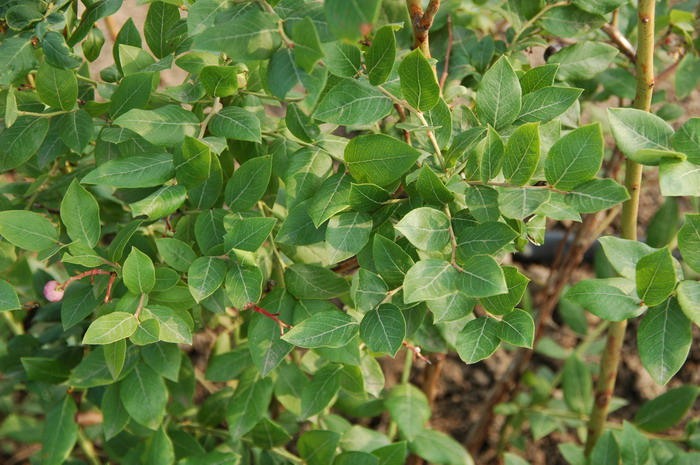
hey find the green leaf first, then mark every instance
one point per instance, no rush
(19, 142)
(452, 307)
(577, 385)
(248, 183)
(243, 284)
(194, 164)
(521, 202)
(176, 253)
(378, 158)
(599, 7)
(326, 329)
(27, 230)
(219, 81)
(60, 432)
(663, 340)
(346, 235)
(367, 290)
(383, 329)
(320, 392)
(437, 447)
(298, 228)
(354, 457)
(164, 358)
(636, 130)
(688, 240)
(205, 275)
(686, 76)
(482, 277)
(250, 36)
(76, 130)
(426, 228)
(429, 279)
(247, 233)
(492, 156)
(624, 254)
(133, 92)
(596, 195)
(134, 59)
(267, 349)
(306, 281)
(90, 16)
(687, 140)
(606, 450)
(381, 55)
(159, 448)
(160, 22)
(17, 55)
(78, 303)
(635, 446)
(146, 170)
(409, 409)
(483, 203)
(483, 239)
(688, 294)
(478, 340)
(56, 87)
(318, 447)
(655, 277)
(301, 125)
(236, 123)
(8, 297)
(115, 417)
(144, 396)
(352, 102)
(418, 83)
(351, 19)
(342, 59)
(678, 178)
(498, 100)
(605, 300)
(166, 126)
(390, 260)
(666, 410)
(547, 103)
(569, 21)
(517, 328)
(431, 188)
(161, 203)
(307, 45)
(110, 328)
(583, 60)
(115, 354)
(138, 273)
(331, 198)
(393, 454)
(522, 154)
(538, 77)
(575, 158)
(463, 144)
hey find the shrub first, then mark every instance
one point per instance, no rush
(210, 272)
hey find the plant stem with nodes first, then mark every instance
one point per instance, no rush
(422, 21)
(633, 181)
(272, 316)
(214, 110)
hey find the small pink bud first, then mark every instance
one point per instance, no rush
(53, 291)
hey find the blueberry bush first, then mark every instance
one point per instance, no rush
(222, 270)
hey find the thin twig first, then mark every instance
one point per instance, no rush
(214, 110)
(448, 52)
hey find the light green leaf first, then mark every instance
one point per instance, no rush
(636, 130)
(663, 340)
(547, 103)
(236, 123)
(346, 235)
(175, 325)
(176, 253)
(267, 349)
(437, 447)
(326, 329)
(250, 36)
(57, 87)
(409, 409)
(27, 230)
(351, 19)
(492, 156)
(498, 100)
(367, 290)
(381, 55)
(426, 228)
(605, 300)
(383, 329)
(248, 183)
(133, 92)
(429, 279)
(167, 125)
(138, 273)
(307, 45)
(110, 328)
(378, 158)
(687, 139)
(522, 154)
(418, 83)
(583, 60)
(520, 202)
(483, 239)
(161, 203)
(538, 77)
(194, 163)
(320, 392)
(577, 385)
(390, 260)
(146, 170)
(342, 59)
(575, 158)
(19, 142)
(352, 102)
(688, 294)
(666, 410)
(678, 178)
(243, 284)
(306, 281)
(596, 195)
(635, 446)
(205, 275)
(478, 340)
(569, 21)
(656, 277)
(623, 254)
(431, 188)
(8, 297)
(482, 277)
(517, 328)
(331, 198)
(247, 233)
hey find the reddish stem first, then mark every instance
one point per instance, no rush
(90, 273)
(416, 352)
(272, 316)
(108, 295)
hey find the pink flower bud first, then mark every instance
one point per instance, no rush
(53, 291)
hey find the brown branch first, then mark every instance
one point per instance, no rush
(422, 21)
(619, 39)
